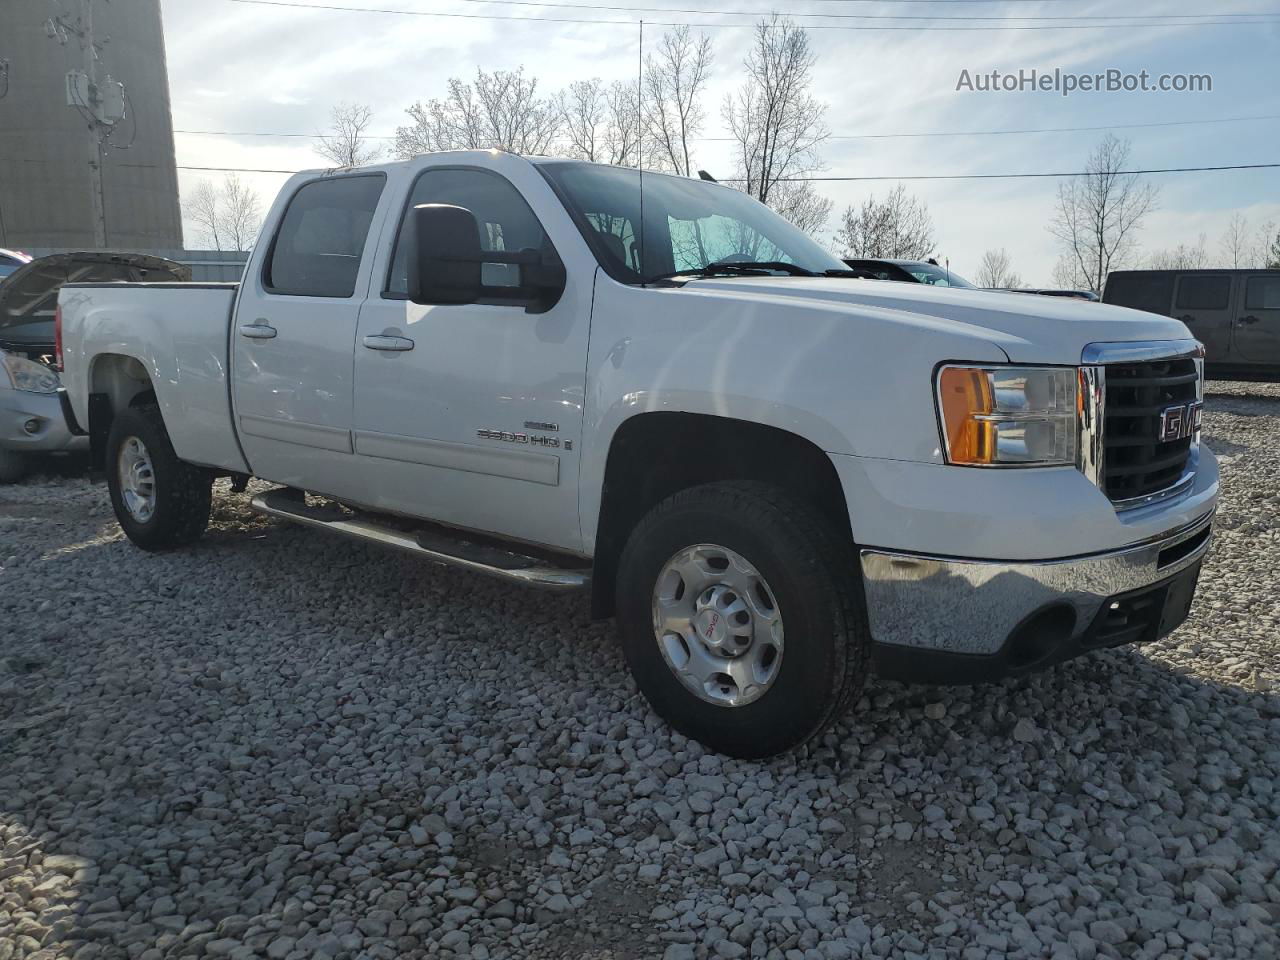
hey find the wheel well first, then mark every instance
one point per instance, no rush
(655, 455)
(116, 382)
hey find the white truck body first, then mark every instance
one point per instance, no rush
(490, 418)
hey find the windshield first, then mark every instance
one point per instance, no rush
(929, 273)
(688, 224)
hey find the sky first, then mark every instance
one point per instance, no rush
(255, 68)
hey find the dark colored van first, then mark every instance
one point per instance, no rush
(1234, 313)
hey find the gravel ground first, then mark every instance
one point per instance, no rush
(279, 744)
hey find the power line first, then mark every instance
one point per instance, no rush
(632, 8)
(1128, 23)
(831, 179)
(837, 136)
(1024, 176)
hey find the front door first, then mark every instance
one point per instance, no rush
(472, 415)
(293, 336)
(1257, 333)
(1203, 302)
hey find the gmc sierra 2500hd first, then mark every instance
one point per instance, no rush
(774, 474)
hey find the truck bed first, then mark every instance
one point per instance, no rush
(180, 333)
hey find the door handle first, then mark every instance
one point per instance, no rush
(1188, 318)
(1248, 320)
(383, 342)
(258, 330)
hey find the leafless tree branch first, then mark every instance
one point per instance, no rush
(1099, 213)
(347, 144)
(897, 227)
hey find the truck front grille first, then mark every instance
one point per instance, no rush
(1136, 461)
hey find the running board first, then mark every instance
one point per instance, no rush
(440, 547)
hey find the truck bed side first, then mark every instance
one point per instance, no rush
(124, 339)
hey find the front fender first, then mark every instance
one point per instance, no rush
(849, 381)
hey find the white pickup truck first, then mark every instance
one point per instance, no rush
(776, 475)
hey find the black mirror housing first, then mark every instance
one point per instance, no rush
(444, 255)
(446, 261)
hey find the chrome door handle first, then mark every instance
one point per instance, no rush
(398, 344)
(258, 330)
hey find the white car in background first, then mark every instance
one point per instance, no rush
(11, 260)
(31, 421)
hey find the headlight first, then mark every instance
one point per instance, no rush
(28, 375)
(1009, 416)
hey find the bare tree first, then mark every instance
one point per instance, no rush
(226, 218)
(1068, 275)
(347, 142)
(899, 227)
(203, 209)
(1184, 256)
(673, 81)
(501, 110)
(799, 202)
(602, 124)
(1099, 213)
(1235, 243)
(1266, 252)
(776, 123)
(996, 270)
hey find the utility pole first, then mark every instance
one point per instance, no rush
(100, 104)
(90, 54)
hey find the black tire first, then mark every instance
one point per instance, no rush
(183, 493)
(811, 571)
(13, 465)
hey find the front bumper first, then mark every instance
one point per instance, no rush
(34, 423)
(938, 619)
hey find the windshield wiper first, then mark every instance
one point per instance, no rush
(738, 268)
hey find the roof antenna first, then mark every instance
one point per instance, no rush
(640, 148)
(703, 175)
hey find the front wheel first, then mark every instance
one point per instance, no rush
(741, 617)
(13, 465)
(159, 500)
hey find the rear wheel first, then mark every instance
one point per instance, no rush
(159, 500)
(741, 617)
(13, 465)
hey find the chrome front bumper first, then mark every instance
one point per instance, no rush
(976, 608)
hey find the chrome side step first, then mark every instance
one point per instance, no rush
(431, 544)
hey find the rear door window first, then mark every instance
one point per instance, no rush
(1204, 293)
(1262, 293)
(318, 248)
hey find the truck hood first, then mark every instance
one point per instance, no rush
(29, 295)
(1028, 329)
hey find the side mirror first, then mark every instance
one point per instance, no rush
(444, 255)
(446, 264)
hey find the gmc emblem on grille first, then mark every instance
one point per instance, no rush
(1181, 421)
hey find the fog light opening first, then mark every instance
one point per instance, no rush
(1037, 637)
(32, 426)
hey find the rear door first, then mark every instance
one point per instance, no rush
(1257, 333)
(294, 330)
(1203, 302)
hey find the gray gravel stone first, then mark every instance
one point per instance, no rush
(276, 744)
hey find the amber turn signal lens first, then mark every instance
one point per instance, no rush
(966, 393)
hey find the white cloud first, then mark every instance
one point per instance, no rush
(245, 67)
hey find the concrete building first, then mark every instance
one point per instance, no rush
(46, 198)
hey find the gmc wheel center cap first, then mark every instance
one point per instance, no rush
(710, 627)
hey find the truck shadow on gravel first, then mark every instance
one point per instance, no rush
(294, 746)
